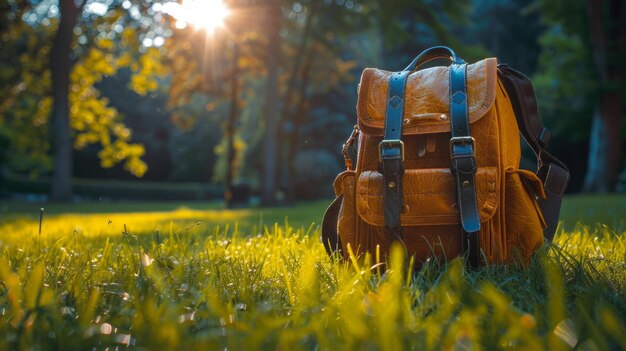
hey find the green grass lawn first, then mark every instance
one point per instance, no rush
(164, 213)
(194, 276)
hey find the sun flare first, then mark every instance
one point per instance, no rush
(201, 14)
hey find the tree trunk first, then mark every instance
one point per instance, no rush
(60, 66)
(283, 172)
(607, 32)
(270, 108)
(604, 145)
(232, 123)
(298, 119)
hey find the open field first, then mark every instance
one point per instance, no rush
(185, 276)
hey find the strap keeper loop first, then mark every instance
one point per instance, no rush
(463, 169)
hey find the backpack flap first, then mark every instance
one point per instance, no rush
(426, 97)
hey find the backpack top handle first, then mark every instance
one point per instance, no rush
(434, 53)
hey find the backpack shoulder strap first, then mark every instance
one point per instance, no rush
(552, 172)
(391, 155)
(463, 161)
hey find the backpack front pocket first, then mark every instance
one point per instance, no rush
(429, 196)
(430, 219)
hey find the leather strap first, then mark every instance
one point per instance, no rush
(391, 152)
(552, 172)
(330, 236)
(462, 154)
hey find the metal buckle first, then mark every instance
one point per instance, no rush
(390, 143)
(347, 145)
(462, 140)
(350, 141)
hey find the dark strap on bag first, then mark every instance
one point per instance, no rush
(552, 172)
(391, 152)
(330, 237)
(463, 158)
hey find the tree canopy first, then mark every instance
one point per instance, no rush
(255, 90)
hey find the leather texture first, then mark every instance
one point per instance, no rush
(509, 200)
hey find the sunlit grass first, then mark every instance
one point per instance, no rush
(102, 219)
(90, 225)
(186, 280)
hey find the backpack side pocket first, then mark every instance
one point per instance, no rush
(346, 224)
(524, 220)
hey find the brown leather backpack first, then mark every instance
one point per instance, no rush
(437, 166)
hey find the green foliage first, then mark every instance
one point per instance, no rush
(90, 116)
(4, 144)
(580, 84)
(25, 92)
(566, 82)
(25, 104)
(201, 79)
(89, 188)
(118, 280)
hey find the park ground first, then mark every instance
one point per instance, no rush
(179, 275)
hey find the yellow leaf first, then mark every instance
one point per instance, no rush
(33, 286)
(124, 60)
(105, 43)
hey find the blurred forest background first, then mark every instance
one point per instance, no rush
(109, 99)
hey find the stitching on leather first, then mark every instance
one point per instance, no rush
(458, 194)
(452, 126)
(473, 178)
(490, 82)
(548, 182)
(369, 79)
(421, 159)
(367, 205)
(450, 98)
(429, 193)
(378, 216)
(489, 96)
(362, 93)
(475, 199)
(368, 178)
(467, 123)
(368, 84)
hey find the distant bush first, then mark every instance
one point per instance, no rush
(115, 189)
(316, 170)
(4, 145)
